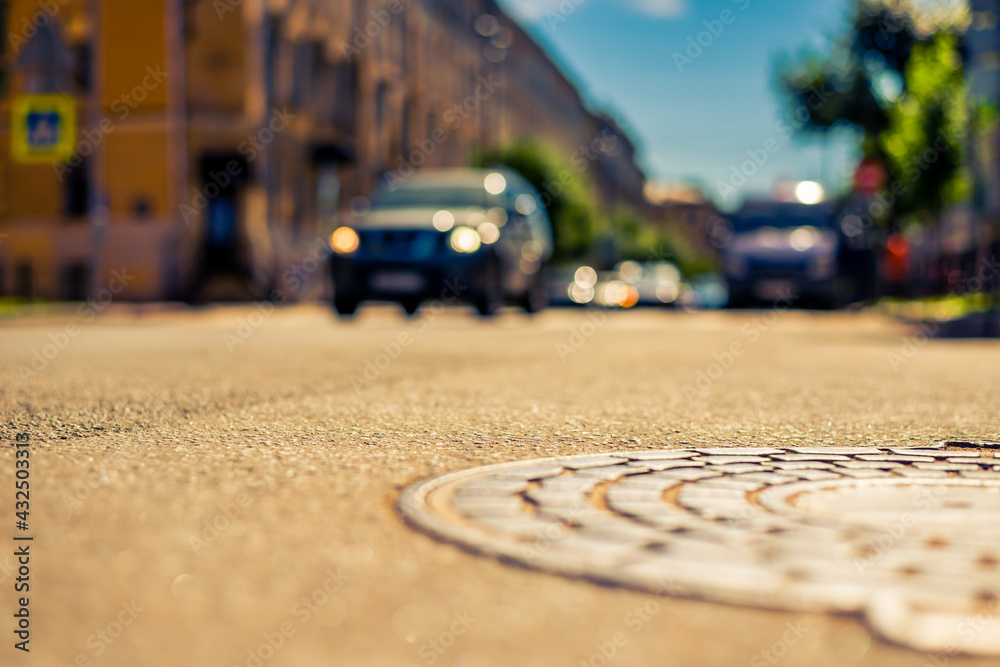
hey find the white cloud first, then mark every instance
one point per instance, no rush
(530, 10)
(661, 8)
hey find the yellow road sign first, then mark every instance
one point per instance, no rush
(43, 128)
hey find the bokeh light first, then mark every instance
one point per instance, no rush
(809, 192)
(345, 240)
(443, 221)
(488, 233)
(495, 183)
(465, 240)
(585, 276)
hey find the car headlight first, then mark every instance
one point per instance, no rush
(345, 241)
(821, 268)
(465, 240)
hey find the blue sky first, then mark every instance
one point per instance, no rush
(696, 121)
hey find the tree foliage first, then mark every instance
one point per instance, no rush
(563, 189)
(636, 240)
(581, 229)
(925, 141)
(896, 77)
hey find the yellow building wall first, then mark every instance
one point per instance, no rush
(32, 190)
(133, 37)
(137, 167)
(36, 249)
(38, 191)
(216, 54)
(4, 178)
(70, 15)
(66, 13)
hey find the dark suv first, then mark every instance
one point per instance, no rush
(782, 251)
(476, 236)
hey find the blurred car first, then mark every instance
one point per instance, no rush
(707, 291)
(656, 283)
(610, 291)
(630, 284)
(588, 287)
(469, 235)
(782, 250)
(562, 287)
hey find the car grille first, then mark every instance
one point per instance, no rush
(402, 245)
(761, 269)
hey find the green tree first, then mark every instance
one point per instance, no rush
(564, 191)
(847, 85)
(637, 240)
(581, 230)
(924, 143)
(896, 77)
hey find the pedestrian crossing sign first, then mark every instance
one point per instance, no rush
(43, 128)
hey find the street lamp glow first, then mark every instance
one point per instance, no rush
(809, 192)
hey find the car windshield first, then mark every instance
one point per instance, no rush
(749, 223)
(432, 197)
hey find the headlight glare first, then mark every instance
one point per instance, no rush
(465, 240)
(345, 241)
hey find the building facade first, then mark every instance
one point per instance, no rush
(218, 141)
(685, 213)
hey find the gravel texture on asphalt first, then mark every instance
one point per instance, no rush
(218, 487)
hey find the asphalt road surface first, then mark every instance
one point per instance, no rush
(218, 487)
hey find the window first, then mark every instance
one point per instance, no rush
(271, 32)
(403, 55)
(4, 10)
(81, 59)
(405, 139)
(302, 73)
(73, 281)
(23, 280)
(381, 113)
(76, 190)
(345, 97)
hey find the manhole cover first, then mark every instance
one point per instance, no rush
(909, 538)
